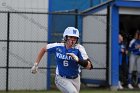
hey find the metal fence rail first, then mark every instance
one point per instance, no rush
(22, 35)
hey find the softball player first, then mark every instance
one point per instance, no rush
(69, 56)
(121, 46)
(134, 60)
(123, 63)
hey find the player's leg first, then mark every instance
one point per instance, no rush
(138, 70)
(76, 82)
(120, 77)
(65, 85)
(131, 69)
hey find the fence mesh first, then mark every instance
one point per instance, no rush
(23, 34)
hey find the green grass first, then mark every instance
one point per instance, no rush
(82, 91)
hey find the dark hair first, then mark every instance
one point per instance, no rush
(66, 38)
(138, 31)
(137, 34)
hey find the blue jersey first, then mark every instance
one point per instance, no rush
(66, 66)
(132, 46)
(121, 46)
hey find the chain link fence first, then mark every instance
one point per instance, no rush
(24, 33)
(21, 37)
(96, 42)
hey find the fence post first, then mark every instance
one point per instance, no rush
(7, 57)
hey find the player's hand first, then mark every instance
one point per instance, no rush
(34, 69)
(137, 46)
(73, 56)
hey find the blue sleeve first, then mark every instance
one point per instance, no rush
(51, 47)
(120, 58)
(132, 46)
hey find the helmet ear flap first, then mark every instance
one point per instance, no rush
(65, 38)
(77, 40)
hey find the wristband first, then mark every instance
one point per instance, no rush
(35, 64)
(83, 63)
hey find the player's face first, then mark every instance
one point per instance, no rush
(139, 36)
(71, 40)
(120, 38)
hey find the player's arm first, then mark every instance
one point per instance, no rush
(40, 55)
(137, 46)
(132, 45)
(37, 61)
(85, 63)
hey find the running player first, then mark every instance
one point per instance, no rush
(69, 57)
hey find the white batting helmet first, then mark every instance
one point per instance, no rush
(71, 31)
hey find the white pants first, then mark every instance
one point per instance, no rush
(134, 63)
(67, 85)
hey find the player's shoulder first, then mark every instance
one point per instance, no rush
(59, 44)
(55, 44)
(78, 46)
(133, 41)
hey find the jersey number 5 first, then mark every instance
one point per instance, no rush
(65, 63)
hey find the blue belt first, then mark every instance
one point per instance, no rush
(70, 77)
